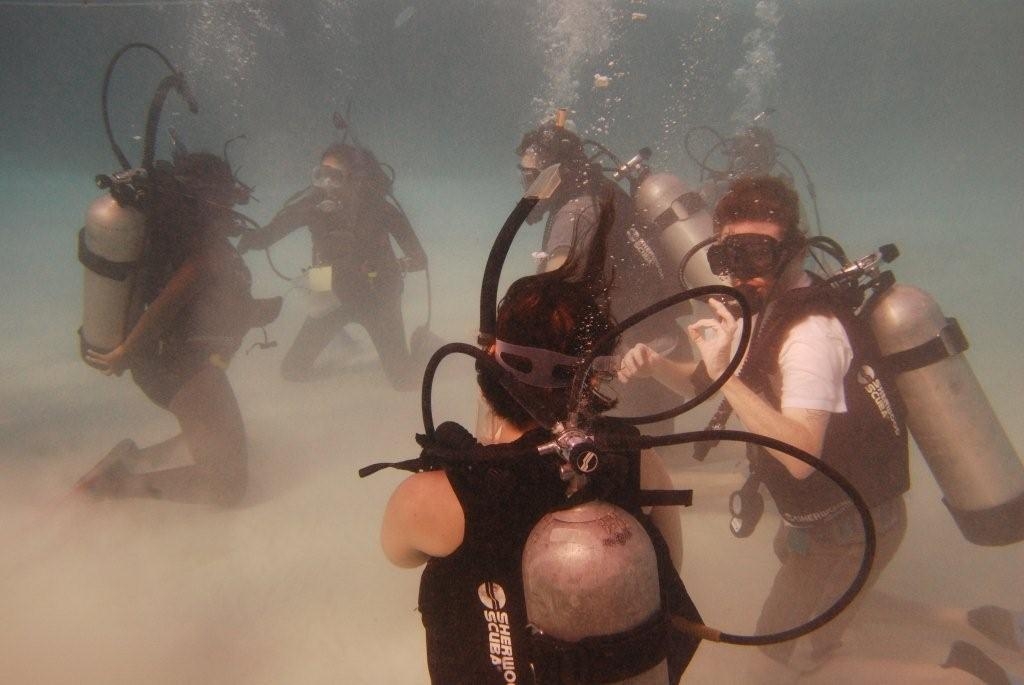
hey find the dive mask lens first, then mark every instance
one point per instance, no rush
(328, 177)
(717, 260)
(743, 256)
(528, 175)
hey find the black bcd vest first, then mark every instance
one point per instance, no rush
(867, 444)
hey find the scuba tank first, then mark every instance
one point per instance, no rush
(109, 247)
(952, 422)
(683, 224)
(948, 415)
(681, 215)
(114, 236)
(590, 571)
(672, 211)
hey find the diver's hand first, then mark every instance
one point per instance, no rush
(111, 363)
(713, 338)
(250, 240)
(640, 362)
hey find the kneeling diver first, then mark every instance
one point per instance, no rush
(351, 222)
(167, 296)
(193, 307)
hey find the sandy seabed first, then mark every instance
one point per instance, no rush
(292, 586)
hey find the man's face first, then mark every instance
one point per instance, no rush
(332, 177)
(755, 262)
(530, 167)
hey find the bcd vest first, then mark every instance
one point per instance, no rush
(867, 444)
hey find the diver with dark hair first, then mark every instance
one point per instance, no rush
(469, 523)
(549, 556)
(351, 221)
(191, 307)
(635, 268)
(813, 378)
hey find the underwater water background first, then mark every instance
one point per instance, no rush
(908, 116)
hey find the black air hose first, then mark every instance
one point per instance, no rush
(104, 95)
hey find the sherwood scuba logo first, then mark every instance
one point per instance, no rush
(499, 635)
(868, 380)
(587, 462)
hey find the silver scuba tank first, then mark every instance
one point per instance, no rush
(682, 222)
(589, 571)
(949, 416)
(109, 247)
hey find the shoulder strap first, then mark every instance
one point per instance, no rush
(452, 444)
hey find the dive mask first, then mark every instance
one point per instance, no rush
(746, 255)
(542, 368)
(529, 167)
(328, 177)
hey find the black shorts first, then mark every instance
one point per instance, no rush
(161, 373)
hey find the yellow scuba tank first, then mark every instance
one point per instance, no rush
(949, 416)
(109, 247)
(590, 571)
(683, 225)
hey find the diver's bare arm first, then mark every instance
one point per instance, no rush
(423, 519)
(642, 361)
(676, 374)
(654, 476)
(803, 428)
(161, 313)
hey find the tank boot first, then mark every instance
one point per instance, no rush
(106, 479)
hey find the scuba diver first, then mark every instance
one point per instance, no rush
(194, 307)
(167, 296)
(636, 268)
(542, 563)
(469, 524)
(813, 379)
(351, 222)
(753, 151)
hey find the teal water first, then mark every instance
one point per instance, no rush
(907, 115)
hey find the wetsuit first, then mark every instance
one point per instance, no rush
(820, 542)
(472, 601)
(353, 237)
(635, 268)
